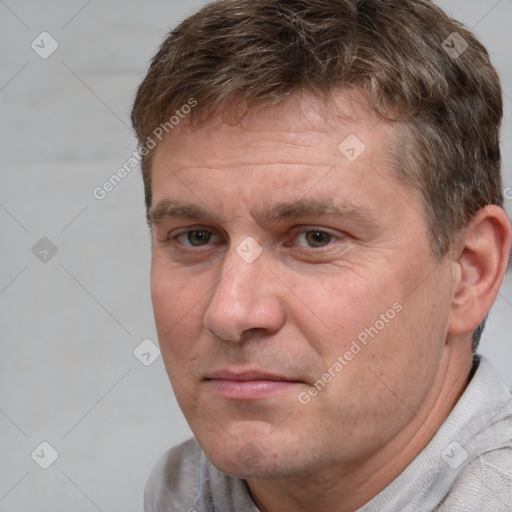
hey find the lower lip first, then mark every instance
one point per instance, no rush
(249, 389)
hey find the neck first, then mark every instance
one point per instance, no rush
(345, 489)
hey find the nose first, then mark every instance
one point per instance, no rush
(245, 299)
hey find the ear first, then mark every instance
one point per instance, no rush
(481, 260)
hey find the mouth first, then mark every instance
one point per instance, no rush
(248, 385)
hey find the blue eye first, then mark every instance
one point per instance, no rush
(315, 238)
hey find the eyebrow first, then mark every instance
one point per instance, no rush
(281, 212)
(275, 214)
(168, 209)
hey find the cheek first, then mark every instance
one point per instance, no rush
(178, 309)
(373, 321)
(336, 310)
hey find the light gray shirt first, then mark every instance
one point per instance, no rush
(466, 467)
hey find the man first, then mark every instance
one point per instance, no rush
(322, 183)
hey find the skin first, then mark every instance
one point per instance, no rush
(320, 280)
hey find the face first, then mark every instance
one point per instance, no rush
(300, 312)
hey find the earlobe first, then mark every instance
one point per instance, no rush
(482, 262)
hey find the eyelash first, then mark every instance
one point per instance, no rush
(309, 229)
(188, 232)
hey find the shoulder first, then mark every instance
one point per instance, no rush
(173, 484)
(484, 480)
(484, 484)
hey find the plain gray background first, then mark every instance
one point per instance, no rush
(70, 321)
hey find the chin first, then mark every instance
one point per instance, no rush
(251, 464)
(249, 456)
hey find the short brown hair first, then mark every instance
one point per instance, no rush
(413, 63)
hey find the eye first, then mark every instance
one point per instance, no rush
(314, 238)
(195, 238)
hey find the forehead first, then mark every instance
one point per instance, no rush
(308, 126)
(294, 151)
